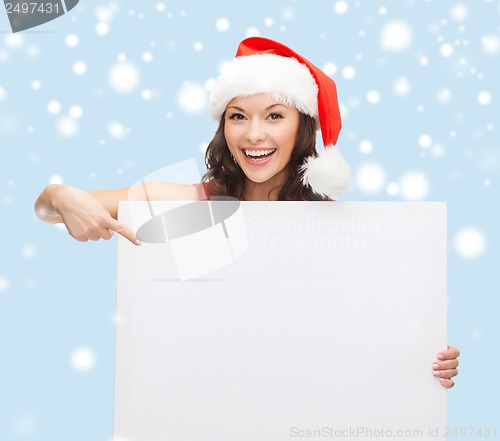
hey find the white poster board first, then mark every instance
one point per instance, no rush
(324, 324)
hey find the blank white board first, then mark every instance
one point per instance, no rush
(324, 324)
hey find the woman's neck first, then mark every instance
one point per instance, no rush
(257, 192)
(265, 191)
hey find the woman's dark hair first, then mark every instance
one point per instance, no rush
(225, 177)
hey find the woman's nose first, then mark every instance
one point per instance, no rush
(255, 132)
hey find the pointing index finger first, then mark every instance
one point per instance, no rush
(124, 231)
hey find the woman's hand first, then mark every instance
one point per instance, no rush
(445, 367)
(84, 216)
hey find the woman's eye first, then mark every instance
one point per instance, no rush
(237, 116)
(275, 116)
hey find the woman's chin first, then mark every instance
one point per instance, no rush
(262, 176)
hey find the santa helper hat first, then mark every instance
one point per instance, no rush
(266, 66)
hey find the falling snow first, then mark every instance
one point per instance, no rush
(470, 243)
(402, 87)
(444, 96)
(56, 179)
(192, 98)
(102, 28)
(370, 178)
(490, 44)
(341, 7)
(414, 186)
(147, 57)
(67, 127)
(124, 77)
(72, 40)
(392, 189)
(14, 41)
(28, 252)
(252, 32)
(459, 12)
(349, 72)
(365, 146)
(4, 284)
(268, 21)
(425, 141)
(117, 130)
(330, 69)
(54, 107)
(83, 360)
(146, 94)
(484, 98)
(103, 13)
(373, 97)
(222, 24)
(75, 112)
(446, 50)
(79, 68)
(396, 36)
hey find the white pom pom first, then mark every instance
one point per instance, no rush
(327, 174)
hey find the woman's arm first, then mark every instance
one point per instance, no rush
(92, 215)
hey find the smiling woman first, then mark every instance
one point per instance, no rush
(269, 102)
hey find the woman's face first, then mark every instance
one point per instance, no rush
(260, 133)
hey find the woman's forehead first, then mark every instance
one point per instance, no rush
(257, 100)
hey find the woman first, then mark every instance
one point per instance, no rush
(269, 102)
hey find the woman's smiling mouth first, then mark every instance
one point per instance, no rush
(257, 156)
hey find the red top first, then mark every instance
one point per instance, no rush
(201, 191)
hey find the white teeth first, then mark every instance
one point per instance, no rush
(257, 153)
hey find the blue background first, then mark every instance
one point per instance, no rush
(58, 295)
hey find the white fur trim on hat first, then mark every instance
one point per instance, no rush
(284, 78)
(327, 174)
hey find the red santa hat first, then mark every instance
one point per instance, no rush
(266, 66)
